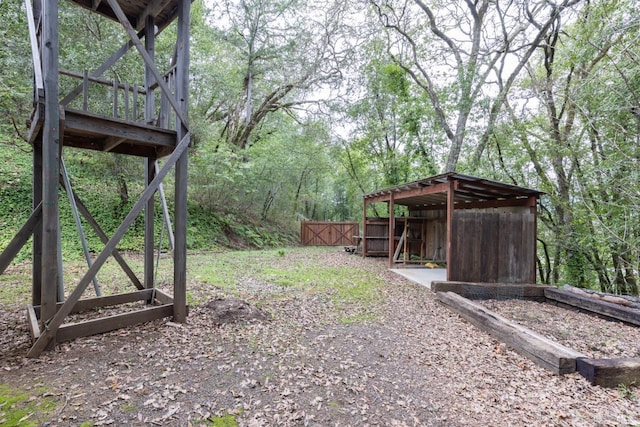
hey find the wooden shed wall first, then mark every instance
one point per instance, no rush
(493, 247)
(328, 233)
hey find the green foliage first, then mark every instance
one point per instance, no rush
(228, 420)
(345, 286)
(19, 408)
(626, 391)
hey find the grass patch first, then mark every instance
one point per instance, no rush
(302, 270)
(19, 408)
(228, 420)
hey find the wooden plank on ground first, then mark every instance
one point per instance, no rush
(610, 372)
(491, 290)
(70, 331)
(544, 352)
(604, 308)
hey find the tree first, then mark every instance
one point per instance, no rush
(277, 55)
(466, 56)
(573, 120)
(16, 91)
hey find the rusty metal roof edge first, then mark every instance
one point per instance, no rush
(441, 178)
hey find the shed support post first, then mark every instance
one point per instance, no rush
(533, 203)
(364, 228)
(392, 228)
(450, 207)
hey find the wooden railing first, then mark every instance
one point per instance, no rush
(122, 100)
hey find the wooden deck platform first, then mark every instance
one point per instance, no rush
(82, 129)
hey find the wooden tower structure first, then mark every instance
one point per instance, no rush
(158, 129)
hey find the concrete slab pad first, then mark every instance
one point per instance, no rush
(422, 276)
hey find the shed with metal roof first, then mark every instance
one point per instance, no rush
(480, 230)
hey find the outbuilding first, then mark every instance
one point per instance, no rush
(478, 229)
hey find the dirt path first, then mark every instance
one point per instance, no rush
(409, 361)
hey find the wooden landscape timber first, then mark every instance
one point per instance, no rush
(605, 308)
(543, 351)
(491, 290)
(610, 372)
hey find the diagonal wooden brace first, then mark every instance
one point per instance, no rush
(20, 238)
(148, 61)
(52, 325)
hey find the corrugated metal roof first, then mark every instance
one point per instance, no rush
(432, 191)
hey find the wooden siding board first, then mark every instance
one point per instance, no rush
(493, 247)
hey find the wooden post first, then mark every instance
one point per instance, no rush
(392, 228)
(149, 166)
(450, 207)
(85, 90)
(50, 166)
(36, 264)
(364, 228)
(182, 95)
(533, 203)
(115, 98)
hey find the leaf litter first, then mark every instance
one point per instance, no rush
(410, 362)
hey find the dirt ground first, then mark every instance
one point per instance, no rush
(410, 361)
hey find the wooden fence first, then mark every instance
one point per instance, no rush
(327, 233)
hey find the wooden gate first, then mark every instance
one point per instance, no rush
(327, 233)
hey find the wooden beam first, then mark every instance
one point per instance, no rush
(36, 244)
(86, 328)
(148, 61)
(364, 228)
(610, 373)
(450, 207)
(112, 142)
(414, 192)
(37, 121)
(543, 351)
(392, 228)
(162, 297)
(32, 321)
(401, 243)
(614, 311)
(88, 125)
(35, 53)
(104, 238)
(50, 332)
(491, 290)
(150, 164)
(100, 70)
(149, 229)
(488, 204)
(89, 304)
(181, 107)
(151, 10)
(50, 162)
(21, 237)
